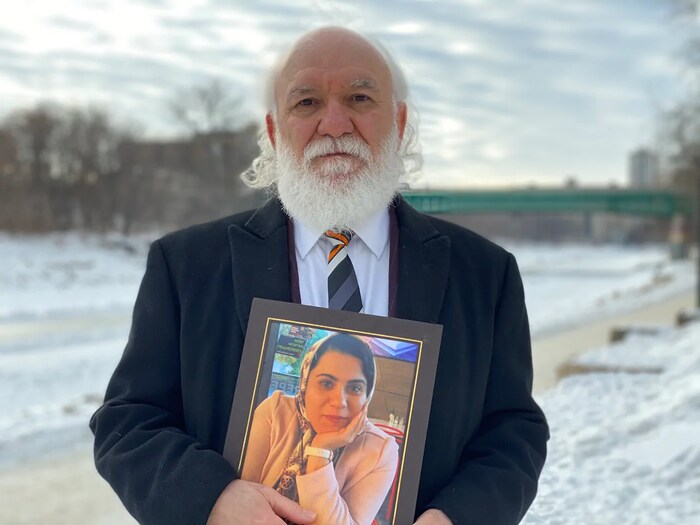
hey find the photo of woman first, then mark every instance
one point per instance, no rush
(317, 447)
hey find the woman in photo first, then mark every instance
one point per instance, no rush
(318, 448)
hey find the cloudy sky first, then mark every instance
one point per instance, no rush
(509, 92)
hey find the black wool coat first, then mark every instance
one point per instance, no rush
(161, 429)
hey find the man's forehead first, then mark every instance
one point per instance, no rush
(333, 46)
(340, 69)
(339, 56)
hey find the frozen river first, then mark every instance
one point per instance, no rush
(65, 306)
(66, 300)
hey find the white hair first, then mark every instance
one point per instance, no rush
(262, 173)
(325, 196)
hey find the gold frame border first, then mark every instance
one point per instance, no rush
(347, 330)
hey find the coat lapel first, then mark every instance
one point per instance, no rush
(424, 265)
(260, 259)
(260, 262)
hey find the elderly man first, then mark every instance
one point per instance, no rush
(334, 150)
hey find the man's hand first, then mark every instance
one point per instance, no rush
(243, 503)
(433, 517)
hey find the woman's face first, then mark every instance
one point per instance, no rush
(336, 391)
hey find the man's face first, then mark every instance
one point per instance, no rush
(333, 86)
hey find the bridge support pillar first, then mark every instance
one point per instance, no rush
(588, 226)
(678, 237)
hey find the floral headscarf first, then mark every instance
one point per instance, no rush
(286, 484)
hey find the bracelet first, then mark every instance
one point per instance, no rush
(318, 452)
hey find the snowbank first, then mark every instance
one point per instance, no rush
(68, 272)
(625, 447)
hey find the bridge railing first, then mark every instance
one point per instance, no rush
(648, 203)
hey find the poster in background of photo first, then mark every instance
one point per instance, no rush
(405, 355)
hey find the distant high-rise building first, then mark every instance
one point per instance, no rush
(643, 169)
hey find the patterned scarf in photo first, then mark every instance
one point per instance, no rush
(287, 483)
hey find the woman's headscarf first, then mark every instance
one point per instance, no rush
(286, 484)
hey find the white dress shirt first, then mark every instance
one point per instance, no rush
(369, 252)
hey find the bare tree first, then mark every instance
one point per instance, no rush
(681, 125)
(63, 168)
(87, 150)
(34, 132)
(206, 109)
(58, 169)
(687, 12)
(8, 156)
(220, 147)
(682, 131)
(684, 122)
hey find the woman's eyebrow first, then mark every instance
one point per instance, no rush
(331, 376)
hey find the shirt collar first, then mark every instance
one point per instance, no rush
(373, 232)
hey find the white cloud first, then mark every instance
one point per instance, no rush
(493, 151)
(508, 91)
(406, 28)
(463, 47)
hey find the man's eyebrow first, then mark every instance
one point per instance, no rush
(300, 90)
(364, 83)
(360, 83)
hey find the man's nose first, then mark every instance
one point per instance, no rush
(335, 120)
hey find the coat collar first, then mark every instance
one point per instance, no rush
(260, 259)
(424, 265)
(260, 262)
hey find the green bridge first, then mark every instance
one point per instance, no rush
(645, 203)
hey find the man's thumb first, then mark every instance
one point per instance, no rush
(286, 508)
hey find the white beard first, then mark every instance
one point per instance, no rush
(332, 197)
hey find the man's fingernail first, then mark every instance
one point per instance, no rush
(309, 514)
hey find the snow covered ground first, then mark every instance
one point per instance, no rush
(51, 275)
(624, 446)
(71, 274)
(569, 284)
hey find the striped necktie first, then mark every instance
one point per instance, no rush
(343, 290)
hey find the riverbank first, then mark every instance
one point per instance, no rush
(552, 351)
(60, 491)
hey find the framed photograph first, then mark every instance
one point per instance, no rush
(331, 410)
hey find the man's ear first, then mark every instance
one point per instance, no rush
(401, 116)
(270, 125)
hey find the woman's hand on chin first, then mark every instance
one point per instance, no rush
(343, 436)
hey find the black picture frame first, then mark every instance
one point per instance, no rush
(408, 370)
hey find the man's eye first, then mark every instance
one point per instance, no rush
(306, 102)
(360, 97)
